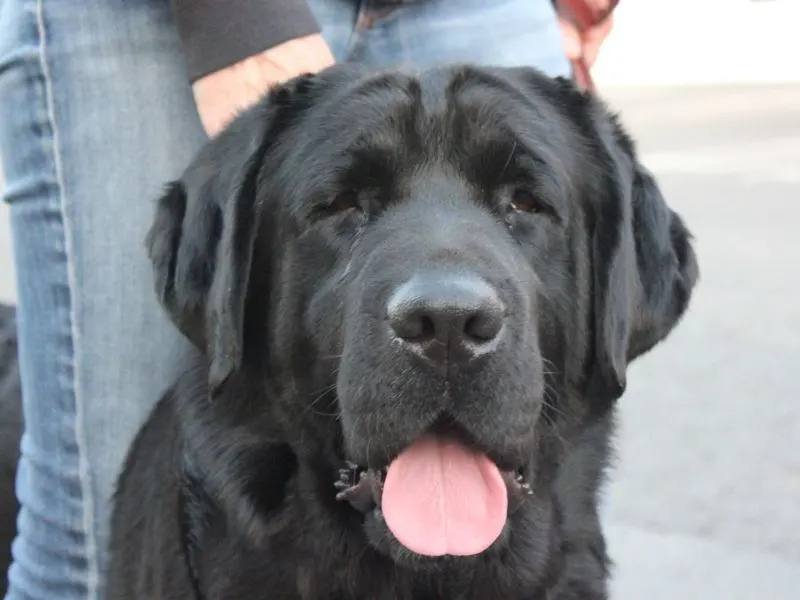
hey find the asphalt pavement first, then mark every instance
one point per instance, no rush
(705, 499)
(704, 502)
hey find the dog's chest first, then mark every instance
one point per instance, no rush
(393, 584)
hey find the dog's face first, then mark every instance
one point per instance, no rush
(412, 270)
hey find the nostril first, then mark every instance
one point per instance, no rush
(413, 326)
(483, 327)
(427, 328)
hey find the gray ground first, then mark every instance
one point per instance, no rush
(705, 502)
(706, 497)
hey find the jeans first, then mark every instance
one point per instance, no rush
(96, 115)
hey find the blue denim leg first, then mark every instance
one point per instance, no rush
(97, 116)
(429, 32)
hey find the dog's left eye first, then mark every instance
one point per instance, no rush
(343, 201)
(524, 200)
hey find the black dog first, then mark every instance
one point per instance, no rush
(416, 296)
(10, 433)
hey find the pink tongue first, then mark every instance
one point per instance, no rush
(440, 498)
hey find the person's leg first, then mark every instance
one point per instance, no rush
(97, 116)
(429, 32)
(337, 19)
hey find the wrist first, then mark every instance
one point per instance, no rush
(222, 94)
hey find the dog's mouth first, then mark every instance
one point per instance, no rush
(437, 497)
(363, 487)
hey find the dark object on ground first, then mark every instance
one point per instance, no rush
(417, 296)
(10, 432)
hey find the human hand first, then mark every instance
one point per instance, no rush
(219, 96)
(584, 42)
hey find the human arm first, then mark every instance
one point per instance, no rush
(236, 50)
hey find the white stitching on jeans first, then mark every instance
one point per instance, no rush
(92, 576)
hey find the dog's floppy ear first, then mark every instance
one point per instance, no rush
(644, 266)
(201, 241)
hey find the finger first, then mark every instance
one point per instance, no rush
(571, 39)
(593, 40)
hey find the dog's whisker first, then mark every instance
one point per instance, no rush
(320, 395)
(553, 410)
(508, 161)
(552, 405)
(333, 415)
(552, 369)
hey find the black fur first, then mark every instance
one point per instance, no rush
(277, 253)
(10, 434)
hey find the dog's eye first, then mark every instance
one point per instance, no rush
(346, 200)
(524, 200)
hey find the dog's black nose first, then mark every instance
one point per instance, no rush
(447, 317)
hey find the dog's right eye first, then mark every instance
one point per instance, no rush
(523, 200)
(343, 201)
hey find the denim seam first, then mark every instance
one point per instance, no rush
(92, 576)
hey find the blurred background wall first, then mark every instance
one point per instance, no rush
(662, 42)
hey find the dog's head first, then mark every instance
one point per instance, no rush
(407, 270)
